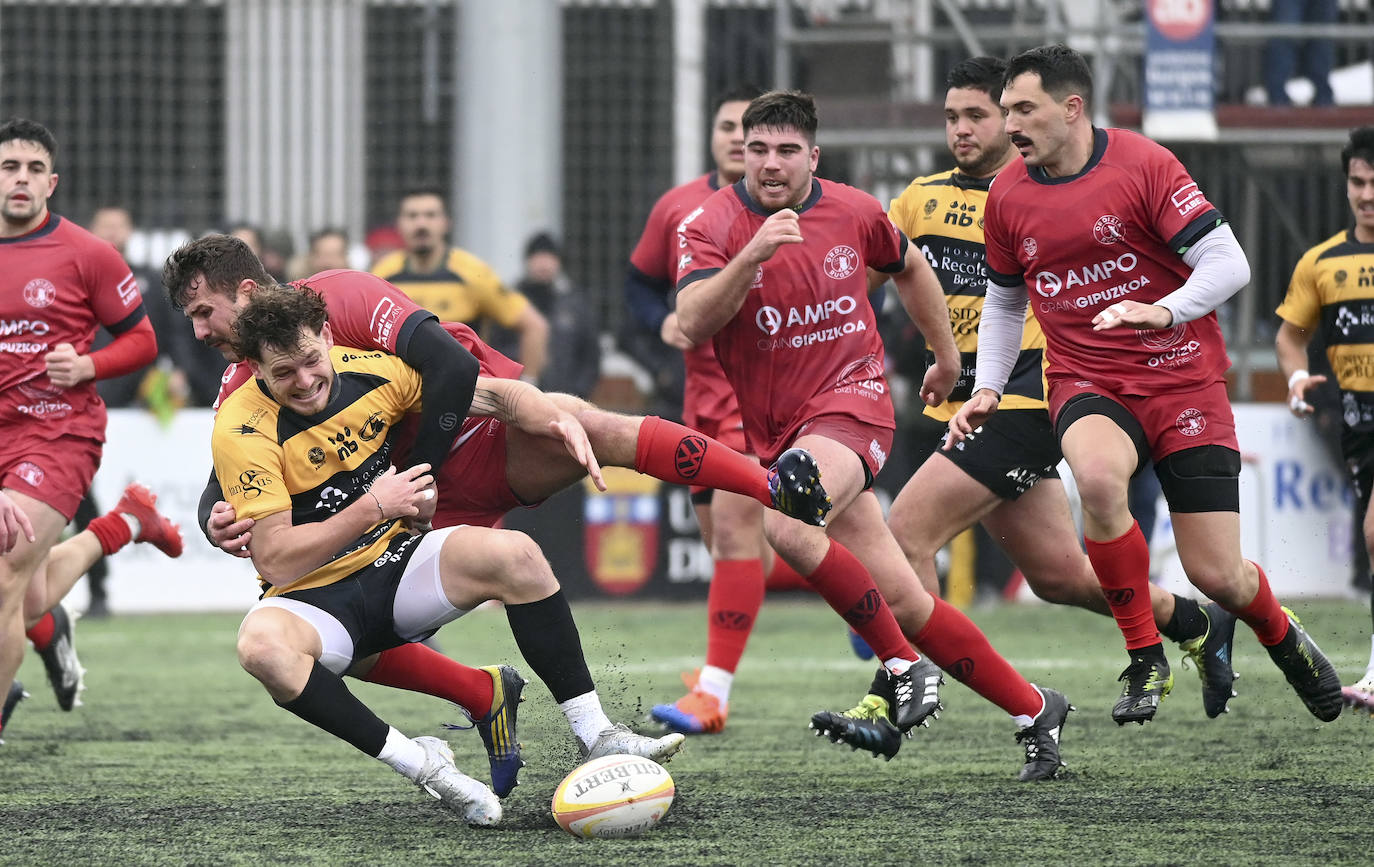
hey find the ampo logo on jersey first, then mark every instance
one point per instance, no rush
(1049, 284)
(841, 262)
(768, 319)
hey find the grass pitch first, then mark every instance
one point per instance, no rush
(178, 757)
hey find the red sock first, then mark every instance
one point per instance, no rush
(1264, 614)
(783, 577)
(668, 451)
(1123, 569)
(422, 669)
(958, 646)
(41, 632)
(732, 605)
(112, 531)
(847, 586)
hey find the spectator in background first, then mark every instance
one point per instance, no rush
(328, 249)
(574, 361)
(248, 234)
(455, 285)
(1318, 55)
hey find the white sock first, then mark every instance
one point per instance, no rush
(716, 681)
(1021, 719)
(405, 756)
(135, 527)
(1369, 671)
(585, 717)
(897, 665)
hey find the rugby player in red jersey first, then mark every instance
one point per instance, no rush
(1124, 262)
(60, 282)
(775, 271)
(731, 524)
(486, 467)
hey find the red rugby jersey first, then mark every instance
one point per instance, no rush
(367, 312)
(805, 341)
(57, 283)
(1116, 230)
(656, 256)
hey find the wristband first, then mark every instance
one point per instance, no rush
(1297, 375)
(380, 510)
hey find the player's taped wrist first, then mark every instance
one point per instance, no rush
(1297, 376)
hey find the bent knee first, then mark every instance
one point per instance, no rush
(260, 650)
(521, 565)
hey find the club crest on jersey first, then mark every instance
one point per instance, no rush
(841, 262)
(931, 206)
(1108, 229)
(758, 278)
(315, 456)
(1029, 247)
(1191, 422)
(39, 292)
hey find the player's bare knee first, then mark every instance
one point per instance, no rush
(526, 574)
(260, 650)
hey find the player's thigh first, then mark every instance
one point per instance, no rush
(861, 529)
(736, 527)
(1038, 534)
(23, 561)
(471, 565)
(936, 504)
(842, 470)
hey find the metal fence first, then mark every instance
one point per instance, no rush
(147, 98)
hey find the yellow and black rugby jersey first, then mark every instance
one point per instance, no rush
(942, 214)
(270, 459)
(1332, 292)
(463, 289)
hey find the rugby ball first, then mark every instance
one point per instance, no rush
(613, 796)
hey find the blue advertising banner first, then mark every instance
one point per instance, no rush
(1180, 44)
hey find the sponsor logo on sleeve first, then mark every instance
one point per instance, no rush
(1030, 247)
(384, 318)
(128, 291)
(1187, 198)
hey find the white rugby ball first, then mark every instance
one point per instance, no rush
(613, 796)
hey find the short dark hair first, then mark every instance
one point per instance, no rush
(273, 319)
(743, 92)
(225, 261)
(1062, 71)
(23, 129)
(425, 189)
(783, 109)
(979, 73)
(1360, 146)
(327, 232)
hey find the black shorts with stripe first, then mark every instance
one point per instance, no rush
(1008, 454)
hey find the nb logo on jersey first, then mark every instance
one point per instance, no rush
(345, 443)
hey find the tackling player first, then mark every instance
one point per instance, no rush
(1125, 261)
(306, 451)
(1005, 476)
(1332, 292)
(775, 269)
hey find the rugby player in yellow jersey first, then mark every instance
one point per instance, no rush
(305, 450)
(1332, 291)
(1005, 476)
(455, 285)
